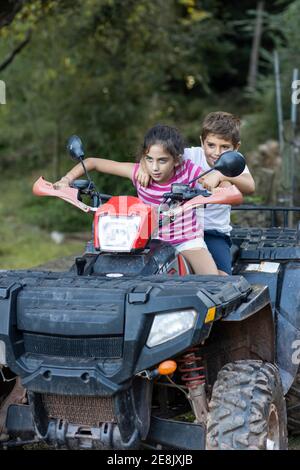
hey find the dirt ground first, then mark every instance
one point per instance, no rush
(62, 264)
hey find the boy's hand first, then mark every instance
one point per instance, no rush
(212, 180)
(62, 183)
(225, 184)
(143, 176)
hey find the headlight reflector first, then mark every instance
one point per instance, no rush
(167, 326)
(117, 233)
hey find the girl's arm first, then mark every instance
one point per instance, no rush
(124, 169)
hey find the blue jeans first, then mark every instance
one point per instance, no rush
(219, 245)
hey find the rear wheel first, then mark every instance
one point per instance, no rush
(293, 406)
(247, 408)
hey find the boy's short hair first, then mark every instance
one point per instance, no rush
(223, 124)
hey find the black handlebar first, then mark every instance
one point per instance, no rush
(88, 188)
(179, 192)
(185, 193)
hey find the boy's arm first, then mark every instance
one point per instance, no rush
(124, 169)
(244, 182)
(142, 175)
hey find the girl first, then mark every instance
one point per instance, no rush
(161, 153)
(220, 132)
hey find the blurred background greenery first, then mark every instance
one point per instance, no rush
(109, 69)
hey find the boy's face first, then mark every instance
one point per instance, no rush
(159, 164)
(214, 145)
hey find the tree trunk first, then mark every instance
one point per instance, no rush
(16, 51)
(253, 67)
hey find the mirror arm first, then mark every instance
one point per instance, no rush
(88, 177)
(85, 170)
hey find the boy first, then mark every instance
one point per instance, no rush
(220, 132)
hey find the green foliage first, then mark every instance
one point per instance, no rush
(109, 69)
(53, 214)
(23, 243)
(260, 121)
(106, 70)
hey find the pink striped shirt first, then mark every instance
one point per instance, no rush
(184, 228)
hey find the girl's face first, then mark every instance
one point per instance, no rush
(160, 165)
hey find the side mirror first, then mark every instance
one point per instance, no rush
(230, 163)
(75, 148)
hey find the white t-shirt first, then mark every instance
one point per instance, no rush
(216, 216)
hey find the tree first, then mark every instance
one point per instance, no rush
(8, 10)
(253, 68)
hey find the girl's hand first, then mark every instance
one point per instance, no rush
(143, 176)
(211, 181)
(64, 182)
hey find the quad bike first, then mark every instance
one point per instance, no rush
(130, 349)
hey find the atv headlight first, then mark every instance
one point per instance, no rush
(2, 353)
(167, 326)
(117, 233)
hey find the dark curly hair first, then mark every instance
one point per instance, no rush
(166, 136)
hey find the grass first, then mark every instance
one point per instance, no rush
(24, 244)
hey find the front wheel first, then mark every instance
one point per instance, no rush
(247, 409)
